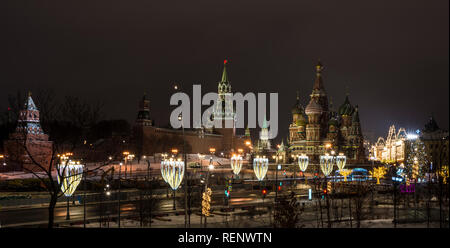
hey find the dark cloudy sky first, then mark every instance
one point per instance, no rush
(392, 55)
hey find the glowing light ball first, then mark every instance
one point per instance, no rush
(303, 162)
(326, 164)
(260, 167)
(236, 164)
(341, 159)
(172, 172)
(69, 175)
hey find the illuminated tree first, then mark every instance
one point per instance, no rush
(416, 160)
(345, 173)
(378, 173)
(444, 174)
(206, 203)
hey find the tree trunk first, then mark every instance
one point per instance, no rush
(51, 210)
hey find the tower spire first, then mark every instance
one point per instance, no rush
(318, 84)
(224, 73)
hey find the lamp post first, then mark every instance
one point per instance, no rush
(294, 183)
(69, 175)
(326, 165)
(149, 185)
(207, 193)
(173, 173)
(118, 196)
(276, 178)
(260, 167)
(125, 158)
(341, 159)
(236, 166)
(130, 158)
(303, 162)
(186, 182)
(84, 199)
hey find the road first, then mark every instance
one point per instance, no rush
(39, 215)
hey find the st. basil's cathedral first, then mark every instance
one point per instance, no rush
(318, 129)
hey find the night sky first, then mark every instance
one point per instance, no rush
(392, 55)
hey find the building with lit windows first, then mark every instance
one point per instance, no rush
(392, 149)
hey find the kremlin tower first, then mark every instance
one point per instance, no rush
(29, 145)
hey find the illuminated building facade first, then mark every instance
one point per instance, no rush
(393, 148)
(318, 129)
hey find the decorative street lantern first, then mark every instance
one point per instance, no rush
(260, 167)
(326, 164)
(172, 172)
(303, 162)
(69, 174)
(236, 164)
(341, 159)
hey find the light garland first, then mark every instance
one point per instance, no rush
(326, 164)
(236, 164)
(69, 174)
(206, 203)
(443, 172)
(172, 172)
(415, 169)
(260, 167)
